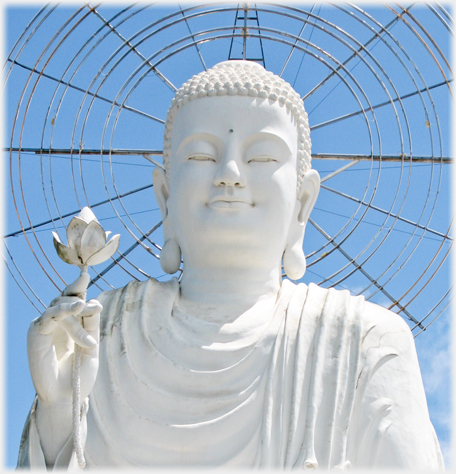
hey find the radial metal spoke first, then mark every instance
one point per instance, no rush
(194, 41)
(394, 216)
(340, 170)
(244, 30)
(383, 158)
(124, 254)
(296, 42)
(144, 152)
(133, 49)
(28, 27)
(355, 54)
(156, 163)
(85, 151)
(91, 151)
(383, 104)
(361, 269)
(128, 193)
(85, 91)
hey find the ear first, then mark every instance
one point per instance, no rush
(161, 190)
(170, 255)
(308, 194)
(294, 260)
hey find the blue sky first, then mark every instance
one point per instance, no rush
(358, 208)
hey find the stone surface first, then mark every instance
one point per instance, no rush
(233, 366)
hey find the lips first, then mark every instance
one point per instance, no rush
(228, 202)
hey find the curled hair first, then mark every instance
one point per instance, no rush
(244, 78)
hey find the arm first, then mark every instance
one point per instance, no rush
(392, 427)
(50, 344)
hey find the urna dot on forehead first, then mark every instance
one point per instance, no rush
(249, 79)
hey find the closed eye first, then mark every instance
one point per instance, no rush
(201, 157)
(262, 159)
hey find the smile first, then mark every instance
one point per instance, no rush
(228, 202)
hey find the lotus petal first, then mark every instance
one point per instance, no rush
(67, 254)
(106, 252)
(75, 229)
(107, 234)
(87, 215)
(93, 240)
(56, 237)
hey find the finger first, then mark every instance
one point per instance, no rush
(92, 307)
(78, 334)
(89, 357)
(64, 299)
(91, 318)
(46, 323)
(89, 370)
(92, 326)
(78, 287)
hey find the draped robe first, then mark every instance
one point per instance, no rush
(323, 380)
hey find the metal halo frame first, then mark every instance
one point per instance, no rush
(342, 59)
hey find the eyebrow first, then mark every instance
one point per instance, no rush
(215, 140)
(260, 135)
(199, 136)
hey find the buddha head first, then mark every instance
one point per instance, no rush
(237, 186)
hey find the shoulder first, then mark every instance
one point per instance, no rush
(378, 324)
(384, 320)
(372, 314)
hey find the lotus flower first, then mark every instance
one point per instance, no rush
(86, 241)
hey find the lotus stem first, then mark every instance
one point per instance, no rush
(77, 395)
(77, 406)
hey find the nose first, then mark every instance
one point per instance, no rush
(229, 172)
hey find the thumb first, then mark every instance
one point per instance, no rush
(78, 287)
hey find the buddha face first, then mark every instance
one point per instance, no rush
(233, 179)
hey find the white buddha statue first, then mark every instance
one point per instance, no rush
(233, 365)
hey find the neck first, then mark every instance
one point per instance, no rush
(229, 287)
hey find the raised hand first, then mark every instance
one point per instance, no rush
(50, 345)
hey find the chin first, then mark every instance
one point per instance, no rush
(228, 220)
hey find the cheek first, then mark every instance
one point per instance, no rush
(278, 185)
(188, 184)
(188, 195)
(193, 174)
(283, 196)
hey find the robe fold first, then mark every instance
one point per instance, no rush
(321, 380)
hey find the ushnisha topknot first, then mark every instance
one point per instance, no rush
(244, 78)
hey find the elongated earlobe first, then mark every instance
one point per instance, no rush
(170, 256)
(294, 261)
